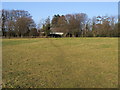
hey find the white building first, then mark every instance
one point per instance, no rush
(59, 33)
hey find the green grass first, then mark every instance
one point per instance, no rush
(60, 63)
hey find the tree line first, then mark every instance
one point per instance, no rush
(19, 23)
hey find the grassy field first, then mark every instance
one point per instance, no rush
(60, 63)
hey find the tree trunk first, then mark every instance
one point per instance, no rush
(21, 36)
